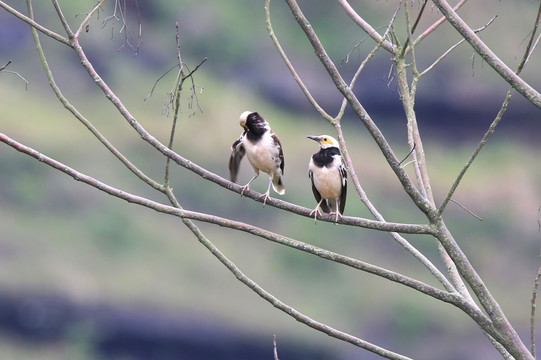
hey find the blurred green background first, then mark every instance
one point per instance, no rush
(83, 274)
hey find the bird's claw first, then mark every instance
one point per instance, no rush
(244, 188)
(266, 195)
(315, 212)
(338, 215)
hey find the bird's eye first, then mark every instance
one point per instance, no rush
(325, 139)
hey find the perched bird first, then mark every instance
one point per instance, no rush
(263, 150)
(329, 177)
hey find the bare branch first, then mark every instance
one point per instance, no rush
(488, 55)
(412, 29)
(358, 73)
(496, 121)
(62, 18)
(467, 210)
(34, 24)
(85, 21)
(291, 68)
(3, 69)
(5, 66)
(275, 352)
(503, 332)
(386, 44)
(436, 24)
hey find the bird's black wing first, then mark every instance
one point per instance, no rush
(344, 177)
(317, 195)
(237, 154)
(281, 152)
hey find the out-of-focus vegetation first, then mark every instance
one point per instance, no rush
(58, 236)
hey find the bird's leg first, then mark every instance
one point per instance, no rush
(247, 186)
(316, 210)
(337, 212)
(266, 195)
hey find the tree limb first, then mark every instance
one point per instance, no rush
(488, 55)
(34, 24)
(386, 44)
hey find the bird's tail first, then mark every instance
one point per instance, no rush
(277, 184)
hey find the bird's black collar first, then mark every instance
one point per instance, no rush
(325, 157)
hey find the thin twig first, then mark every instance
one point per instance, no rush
(412, 30)
(275, 352)
(87, 18)
(386, 44)
(434, 26)
(149, 95)
(407, 156)
(5, 66)
(467, 210)
(176, 108)
(3, 69)
(370, 55)
(291, 68)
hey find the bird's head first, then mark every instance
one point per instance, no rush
(325, 141)
(252, 121)
(244, 118)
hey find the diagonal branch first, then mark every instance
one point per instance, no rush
(61, 16)
(434, 26)
(497, 119)
(34, 24)
(386, 44)
(291, 68)
(488, 55)
(64, 101)
(280, 305)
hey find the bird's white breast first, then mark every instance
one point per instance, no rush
(263, 155)
(327, 180)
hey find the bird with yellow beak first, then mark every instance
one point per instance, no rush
(328, 174)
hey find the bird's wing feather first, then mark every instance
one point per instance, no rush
(317, 195)
(237, 154)
(344, 177)
(280, 153)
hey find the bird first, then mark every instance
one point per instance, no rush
(328, 174)
(263, 150)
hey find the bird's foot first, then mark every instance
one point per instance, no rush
(244, 188)
(338, 215)
(316, 211)
(266, 196)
